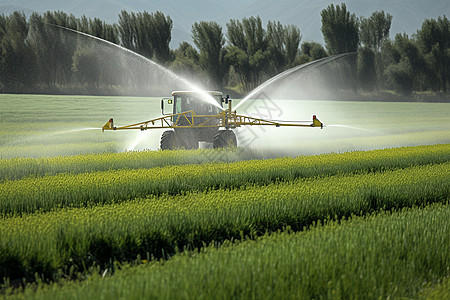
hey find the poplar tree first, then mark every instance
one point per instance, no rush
(339, 29)
(208, 38)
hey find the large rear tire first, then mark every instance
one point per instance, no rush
(168, 140)
(224, 139)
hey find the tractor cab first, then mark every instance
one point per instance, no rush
(202, 103)
(194, 117)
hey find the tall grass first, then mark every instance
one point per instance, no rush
(45, 193)
(158, 226)
(17, 168)
(383, 256)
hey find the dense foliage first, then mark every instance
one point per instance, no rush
(340, 29)
(127, 179)
(386, 255)
(35, 56)
(60, 225)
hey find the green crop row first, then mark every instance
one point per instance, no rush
(72, 238)
(17, 168)
(32, 194)
(8, 152)
(383, 256)
(437, 291)
(12, 169)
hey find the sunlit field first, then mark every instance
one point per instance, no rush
(43, 126)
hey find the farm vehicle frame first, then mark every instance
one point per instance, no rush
(198, 119)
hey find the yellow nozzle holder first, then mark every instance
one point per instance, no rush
(109, 125)
(316, 122)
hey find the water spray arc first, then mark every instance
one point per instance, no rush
(349, 127)
(204, 96)
(189, 125)
(292, 71)
(198, 116)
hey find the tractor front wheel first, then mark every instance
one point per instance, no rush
(225, 139)
(168, 140)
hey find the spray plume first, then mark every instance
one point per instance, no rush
(205, 96)
(292, 71)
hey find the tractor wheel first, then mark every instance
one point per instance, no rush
(224, 139)
(168, 140)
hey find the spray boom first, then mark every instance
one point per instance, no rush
(227, 119)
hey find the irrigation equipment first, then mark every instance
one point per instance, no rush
(196, 123)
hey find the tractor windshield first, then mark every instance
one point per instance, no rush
(187, 102)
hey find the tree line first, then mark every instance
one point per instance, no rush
(38, 55)
(406, 64)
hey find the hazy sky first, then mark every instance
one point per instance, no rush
(408, 14)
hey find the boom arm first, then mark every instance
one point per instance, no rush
(227, 119)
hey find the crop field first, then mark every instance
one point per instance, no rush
(44, 126)
(61, 224)
(81, 218)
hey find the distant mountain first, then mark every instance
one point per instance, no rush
(408, 14)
